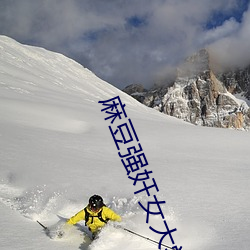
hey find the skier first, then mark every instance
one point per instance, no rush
(95, 214)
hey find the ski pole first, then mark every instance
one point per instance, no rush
(144, 237)
(45, 228)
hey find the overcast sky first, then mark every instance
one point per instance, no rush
(131, 41)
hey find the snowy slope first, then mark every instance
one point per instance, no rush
(56, 151)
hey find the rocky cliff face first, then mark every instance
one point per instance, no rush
(200, 96)
(237, 81)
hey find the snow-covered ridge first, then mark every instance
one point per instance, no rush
(33, 74)
(35, 68)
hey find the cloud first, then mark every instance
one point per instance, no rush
(233, 49)
(126, 42)
(228, 28)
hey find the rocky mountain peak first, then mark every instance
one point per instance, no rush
(196, 64)
(202, 97)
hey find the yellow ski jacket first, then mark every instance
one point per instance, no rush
(94, 223)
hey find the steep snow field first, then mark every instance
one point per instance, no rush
(56, 150)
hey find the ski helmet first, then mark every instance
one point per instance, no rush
(95, 202)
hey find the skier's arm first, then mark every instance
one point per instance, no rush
(110, 214)
(77, 217)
